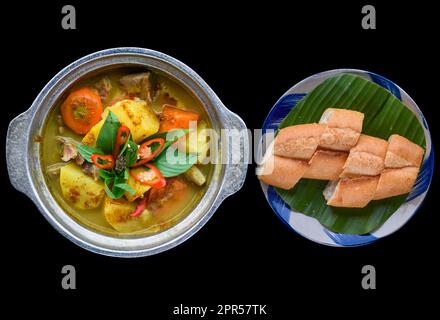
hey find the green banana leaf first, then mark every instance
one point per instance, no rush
(384, 115)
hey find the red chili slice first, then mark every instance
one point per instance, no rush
(103, 162)
(142, 204)
(121, 138)
(151, 176)
(144, 152)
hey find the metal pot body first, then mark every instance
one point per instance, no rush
(25, 169)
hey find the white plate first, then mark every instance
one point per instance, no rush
(309, 227)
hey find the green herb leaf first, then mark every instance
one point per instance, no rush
(107, 187)
(104, 174)
(112, 189)
(125, 187)
(173, 135)
(107, 136)
(87, 151)
(121, 152)
(174, 162)
(115, 184)
(131, 153)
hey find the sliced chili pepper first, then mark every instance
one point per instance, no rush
(151, 176)
(103, 162)
(142, 204)
(121, 138)
(145, 152)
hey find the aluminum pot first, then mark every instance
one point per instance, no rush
(25, 168)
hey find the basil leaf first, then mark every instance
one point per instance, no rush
(115, 184)
(104, 174)
(87, 151)
(126, 173)
(107, 136)
(108, 191)
(174, 162)
(121, 152)
(131, 153)
(125, 187)
(116, 191)
(173, 135)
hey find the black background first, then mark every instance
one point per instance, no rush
(244, 255)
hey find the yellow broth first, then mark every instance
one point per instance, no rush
(94, 218)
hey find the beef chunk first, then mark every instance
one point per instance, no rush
(141, 84)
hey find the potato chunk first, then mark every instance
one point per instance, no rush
(195, 175)
(200, 144)
(80, 189)
(135, 114)
(91, 136)
(137, 186)
(117, 213)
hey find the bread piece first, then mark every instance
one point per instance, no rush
(343, 118)
(282, 172)
(351, 193)
(362, 164)
(298, 141)
(325, 165)
(366, 158)
(343, 129)
(373, 145)
(402, 153)
(394, 182)
(338, 139)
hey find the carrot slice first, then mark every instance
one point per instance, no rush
(82, 110)
(175, 118)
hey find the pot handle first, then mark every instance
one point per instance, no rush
(16, 149)
(238, 155)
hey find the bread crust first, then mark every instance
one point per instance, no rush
(394, 182)
(325, 165)
(403, 153)
(373, 145)
(354, 193)
(299, 141)
(283, 172)
(362, 164)
(338, 139)
(343, 118)
(366, 158)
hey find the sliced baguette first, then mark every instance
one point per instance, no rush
(298, 141)
(282, 172)
(343, 118)
(366, 158)
(338, 139)
(351, 193)
(325, 165)
(373, 145)
(402, 153)
(343, 129)
(394, 182)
